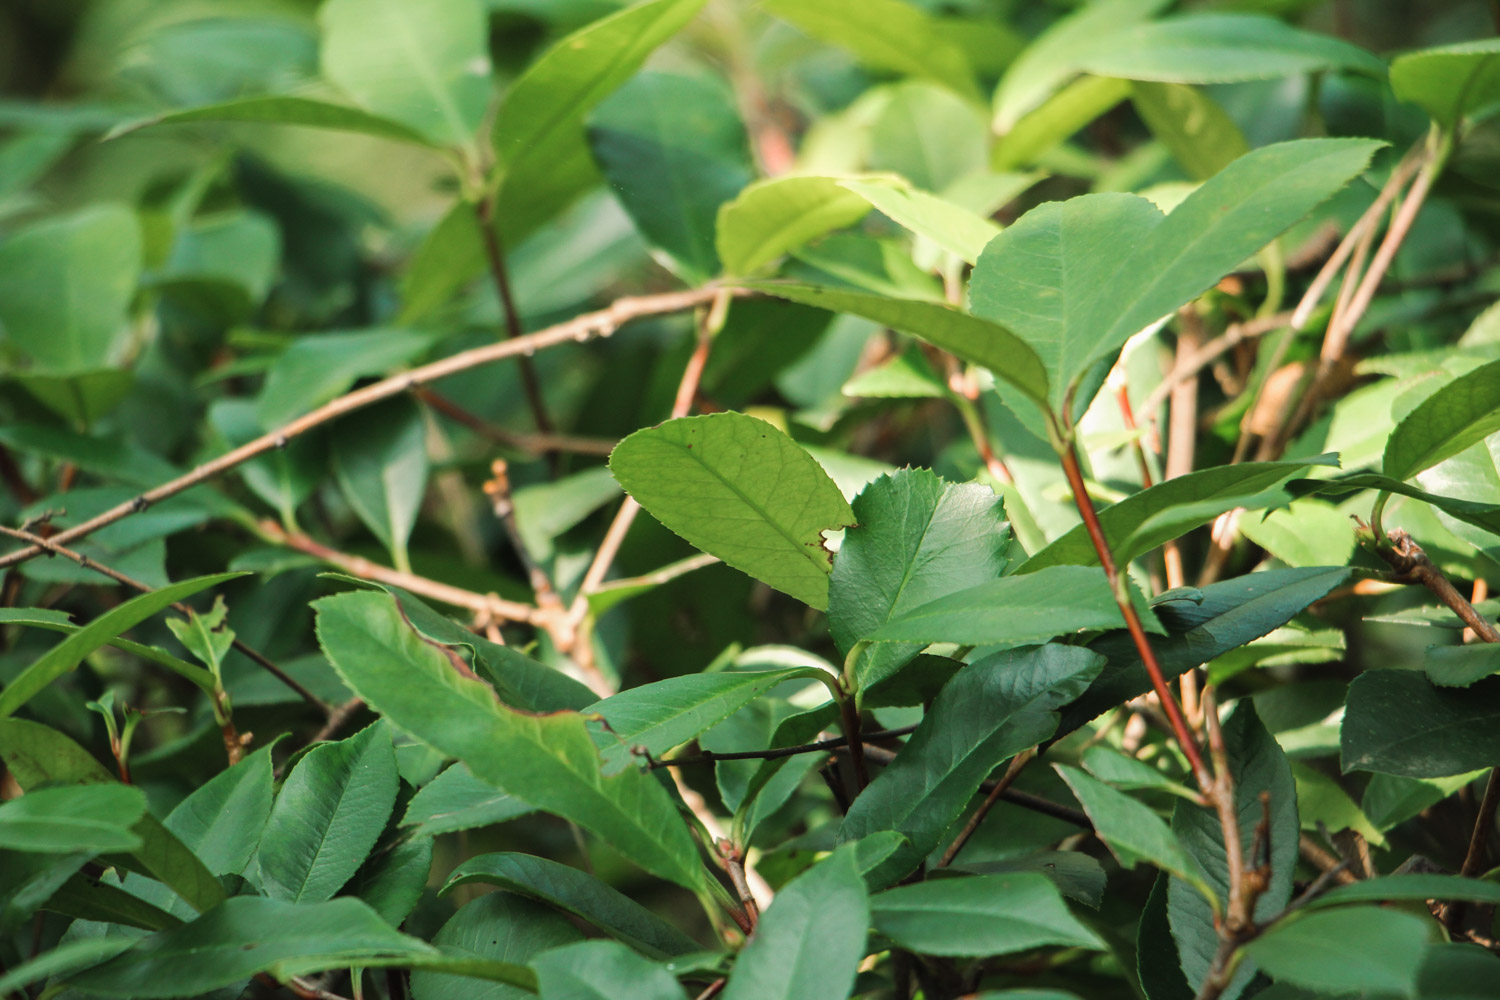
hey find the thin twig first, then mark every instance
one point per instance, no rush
(1484, 825)
(484, 209)
(1185, 368)
(1014, 796)
(536, 444)
(837, 743)
(1412, 565)
(1011, 773)
(1325, 861)
(51, 546)
(580, 328)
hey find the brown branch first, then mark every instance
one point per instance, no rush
(1185, 368)
(530, 384)
(1085, 504)
(1412, 565)
(52, 547)
(536, 444)
(1326, 862)
(497, 488)
(1484, 825)
(581, 328)
(1017, 762)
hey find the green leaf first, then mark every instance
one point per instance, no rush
(1466, 411)
(1076, 875)
(283, 110)
(908, 375)
(321, 366)
(498, 927)
(918, 539)
(1481, 515)
(54, 621)
(1051, 59)
(928, 135)
(1160, 513)
(328, 815)
(85, 899)
(673, 149)
(1057, 279)
(884, 34)
(773, 217)
(546, 760)
(66, 655)
(1200, 134)
(449, 255)
(1129, 774)
(811, 938)
(1058, 600)
(247, 935)
(1350, 949)
(1460, 666)
(1259, 768)
(602, 970)
(394, 878)
(582, 895)
(81, 397)
(65, 286)
(972, 339)
(951, 226)
(380, 462)
(670, 712)
(85, 818)
(1132, 832)
(1397, 722)
(738, 488)
(456, 800)
(1390, 800)
(1220, 48)
(423, 63)
(539, 131)
(990, 711)
(1075, 106)
(1308, 533)
(1449, 82)
(1415, 888)
(1216, 619)
(1322, 802)
(979, 916)
(544, 511)
(66, 958)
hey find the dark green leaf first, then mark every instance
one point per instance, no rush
(67, 654)
(1397, 722)
(456, 800)
(602, 970)
(579, 894)
(393, 879)
(738, 488)
(673, 149)
(811, 938)
(1413, 888)
(991, 710)
(1460, 666)
(85, 899)
(546, 760)
(498, 927)
(917, 539)
(381, 465)
(84, 818)
(328, 815)
(979, 916)
(1347, 950)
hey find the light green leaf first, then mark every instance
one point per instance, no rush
(283, 110)
(328, 815)
(602, 970)
(974, 340)
(1449, 82)
(990, 711)
(546, 760)
(539, 131)
(1128, 774)
(776, 216)
(1322, 802)
(577, 893)
(423, 63)
(67, 654)
(951, 226)
(738, 488)
(1397, 722)
(1308, 533)
(673, 149)
(1132, 831)
(1466, 411)
(65, 285)
(1200, 134)
(1144, 520)
(979, 916)
(1058, 600)
(1064, 113)
(37, 755)
(456, 800)
(380, 462)
(918, 539)
(669, 712)
(1481, 515)
(908, 375)
(1351, 949)
(498, 927)
(84, 818)
(811, 938)
(929, 135)
(884, 34)
(1058, 280)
